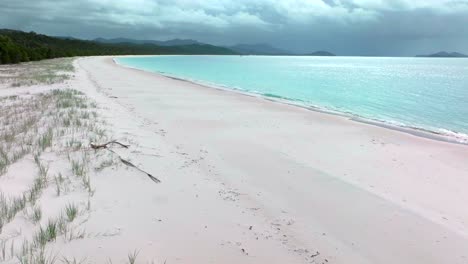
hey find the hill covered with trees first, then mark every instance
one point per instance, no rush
(17, 46)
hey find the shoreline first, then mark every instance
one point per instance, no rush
(414, 131)
(268, 182)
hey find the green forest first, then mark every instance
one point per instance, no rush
(17, 46)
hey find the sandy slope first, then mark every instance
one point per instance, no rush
(246, 180)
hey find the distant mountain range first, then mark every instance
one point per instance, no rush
(164, 43)
(266, 49)
(243, 49)
(17, 46)
(444, 54)
(320, 53)
(258, 49)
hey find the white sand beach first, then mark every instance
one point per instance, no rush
(244, 180)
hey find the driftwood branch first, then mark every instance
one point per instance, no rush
(104, 146)
(126, 162)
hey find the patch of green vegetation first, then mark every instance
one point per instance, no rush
(37, 214)
(71, 211)
(45, 235)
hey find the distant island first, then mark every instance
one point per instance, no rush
(444, 54)
(258, 49)
(320, 53)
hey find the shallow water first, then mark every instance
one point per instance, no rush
(422, 93)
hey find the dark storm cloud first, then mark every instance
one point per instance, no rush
(365, 27)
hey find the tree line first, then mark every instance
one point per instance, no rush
(17, 46)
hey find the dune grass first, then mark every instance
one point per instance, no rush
(71, 211)
(65, 260)
(41, 258)
(132, 257)
(34, 125)
(34, 73)
(37, 214)
(45, 235)
(61, 122)
(33, 128)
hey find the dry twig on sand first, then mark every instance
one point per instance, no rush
(126, 162)
(104, 146)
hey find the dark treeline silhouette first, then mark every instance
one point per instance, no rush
(17, 46)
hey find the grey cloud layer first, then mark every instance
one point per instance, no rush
(389, 27)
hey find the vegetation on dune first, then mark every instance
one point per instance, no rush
(17, 46)
(58, 123)
(50, 131)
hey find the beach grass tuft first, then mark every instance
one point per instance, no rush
(9, 207)
(132, 257)
(3, 251)
(45, 140)
(73, 261)
(78, 168)
(51, 230)
(71, 211)
(47, 234)
(37, 258)
(37, 214)
(41, 238)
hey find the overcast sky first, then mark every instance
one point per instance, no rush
(346, 27)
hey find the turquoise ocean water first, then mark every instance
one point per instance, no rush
(424, 93)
